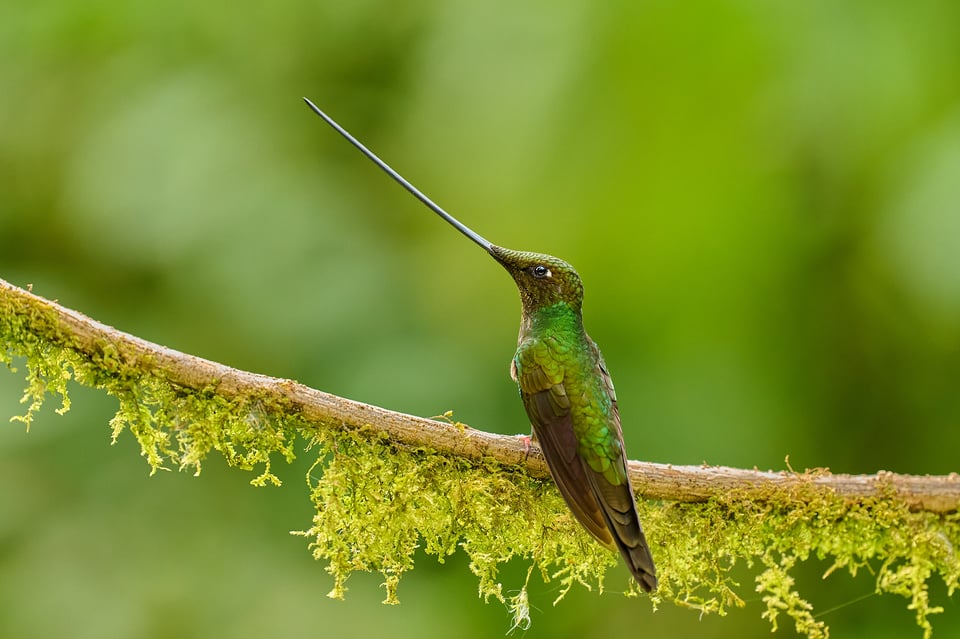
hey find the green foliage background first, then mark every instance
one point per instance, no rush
(762, 199)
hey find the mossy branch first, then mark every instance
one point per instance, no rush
(99, 342)
(386, 483)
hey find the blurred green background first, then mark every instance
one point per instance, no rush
(762, 200)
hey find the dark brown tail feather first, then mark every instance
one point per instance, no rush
(620, 512)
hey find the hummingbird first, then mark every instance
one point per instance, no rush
(566, 390)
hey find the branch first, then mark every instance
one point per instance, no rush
(91, 339)
(386, 485)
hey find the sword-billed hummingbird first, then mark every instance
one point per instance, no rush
(566, 390)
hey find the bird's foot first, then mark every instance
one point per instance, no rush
(527, 442)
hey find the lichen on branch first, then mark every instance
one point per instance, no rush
(386, 484)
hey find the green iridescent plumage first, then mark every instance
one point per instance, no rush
(572, 405)
(566, 390)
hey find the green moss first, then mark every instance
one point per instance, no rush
(398, 500)
(377, 503)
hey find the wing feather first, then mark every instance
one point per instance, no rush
(617, 502)
(548, 408)
(605, 508)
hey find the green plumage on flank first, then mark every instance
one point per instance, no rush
(566, 390)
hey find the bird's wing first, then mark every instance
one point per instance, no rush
(540, 378)
(616, 498)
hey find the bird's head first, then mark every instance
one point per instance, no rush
(543, 280)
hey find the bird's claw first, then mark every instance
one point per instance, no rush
(527, 443)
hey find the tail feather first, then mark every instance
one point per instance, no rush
(619, 510)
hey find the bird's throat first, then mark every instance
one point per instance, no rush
(556, 319)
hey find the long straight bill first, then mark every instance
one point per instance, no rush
(417, 193)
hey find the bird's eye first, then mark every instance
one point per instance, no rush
(540, 271)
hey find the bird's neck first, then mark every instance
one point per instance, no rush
(556, 318)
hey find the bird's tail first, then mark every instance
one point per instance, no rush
(620, 512)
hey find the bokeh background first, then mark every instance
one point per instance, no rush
(762, 199)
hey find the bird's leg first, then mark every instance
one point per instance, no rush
(527, 440)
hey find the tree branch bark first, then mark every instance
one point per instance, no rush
(939, 494)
